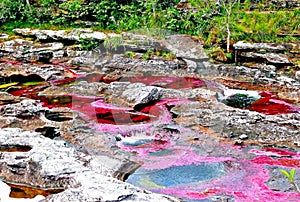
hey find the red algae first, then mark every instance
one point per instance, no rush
(270, 104)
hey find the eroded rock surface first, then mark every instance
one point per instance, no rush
(49, 163)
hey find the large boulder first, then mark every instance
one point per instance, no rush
(45, 163)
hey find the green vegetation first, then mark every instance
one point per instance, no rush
(203, 19)
(290, 176)
(240, 100)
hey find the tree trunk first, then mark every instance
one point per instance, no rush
(228, 33)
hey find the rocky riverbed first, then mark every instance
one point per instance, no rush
(146, 116)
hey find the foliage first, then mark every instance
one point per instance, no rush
(88, 44)
(290, 176)
(130, 54)
(240, 100)
(204, 19)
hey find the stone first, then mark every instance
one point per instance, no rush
(23, 109)
(260, 47)
(4, 36)
(243, 137)
(5, 192)
(24, 50)
(6, 98)
(297, 75)
(47, 163)
(138, 95)
(185, 47)
(26, 72)
(271, 58)
(62, 35)
(96, 187)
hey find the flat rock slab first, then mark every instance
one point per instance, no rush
(261, 47)
(62, 35)
(29, 158)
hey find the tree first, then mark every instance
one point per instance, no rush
(228, 5)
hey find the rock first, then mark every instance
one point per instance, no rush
(29, 51)
(47, 163)
(4, 36)
(137, 94)
(270, 58)
(96, 187)
(6, 98)
(185, 47)
(259, 47)
(26, 72)
(243, 137)
(24, 109)
(225, 121)
(62, 35)
(79, 88)
(5, 192)
(297, 75)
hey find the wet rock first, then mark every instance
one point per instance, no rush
(6, 98)
(137, 94)
(32, 72)
(225, 121)
(95, 187)
(24, 109)
(80, 88)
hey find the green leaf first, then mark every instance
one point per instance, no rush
(32, 83)
(8, 85)
(285, 173)
(292, 173)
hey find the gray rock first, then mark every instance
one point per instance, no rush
(260, 47)
(80, 88)
(29, 51)
(6, 98)
(23, 109)
(225, 121)
(50, 163)
(185, 47)
(272, 58)
(297, 75)
(62, 35)
(96, 187)
(3, 36)
(137, 94)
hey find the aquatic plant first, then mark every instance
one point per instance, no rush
(290, 176)
(240, 100)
